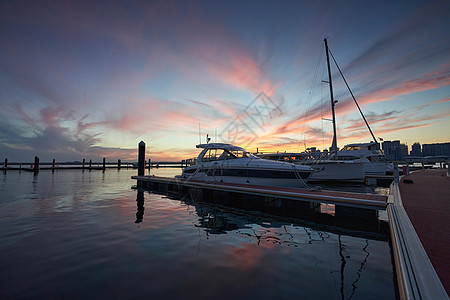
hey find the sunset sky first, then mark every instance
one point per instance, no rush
(90, 79)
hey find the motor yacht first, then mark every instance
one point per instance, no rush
(219, 162)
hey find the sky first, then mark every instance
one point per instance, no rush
(91, 79)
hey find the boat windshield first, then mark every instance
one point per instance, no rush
(222, 154)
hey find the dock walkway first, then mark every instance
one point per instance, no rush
(419, 211)
(427, 202)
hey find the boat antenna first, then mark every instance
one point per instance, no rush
(199, 135)
(333, 102)
(354, 99)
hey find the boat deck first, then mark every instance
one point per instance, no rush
(427, 203)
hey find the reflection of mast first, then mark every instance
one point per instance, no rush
(334, 144)
(140, 206)
(360, 270)
(343, 263)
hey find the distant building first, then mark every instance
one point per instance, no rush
(416, 150)
(394, 151)
(403, 151)
(436, 149)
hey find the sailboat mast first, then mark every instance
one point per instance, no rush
(334, 144)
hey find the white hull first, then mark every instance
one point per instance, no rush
(279, 182)
(375, 168)
(338, 171)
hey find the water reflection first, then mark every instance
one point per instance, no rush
(269, 231)
(140, 206)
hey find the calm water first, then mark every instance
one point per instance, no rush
(73, 235)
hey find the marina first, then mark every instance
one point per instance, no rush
(416, 274)
(79, 234)
(296, 150)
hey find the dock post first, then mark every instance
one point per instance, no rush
(84, 161)
(149, 164)
(141, 158)
(90, 164)
(36, 165)
(6, 163)
(396, 175)
(53, 166)
(141, 162)
(118, 164)
(104, 164)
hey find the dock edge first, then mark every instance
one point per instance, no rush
(416, 276)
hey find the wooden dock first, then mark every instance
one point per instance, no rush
(419, 215)
(356, 200)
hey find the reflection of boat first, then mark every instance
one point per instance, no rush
(369, 154)
(324, 170)
(219, 162)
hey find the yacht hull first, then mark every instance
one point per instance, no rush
(338, 171)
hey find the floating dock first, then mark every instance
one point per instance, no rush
(419, 214)
(356, 200)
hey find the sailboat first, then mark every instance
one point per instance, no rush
(369, 154)
(332, 169)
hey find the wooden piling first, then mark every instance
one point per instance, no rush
(149, 163)
(36, 165)
(104, 164)
(6, 163)
(90, 164)
(141, 158)
(84, 161)
(118, 164)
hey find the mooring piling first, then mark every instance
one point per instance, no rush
(118, 164)
(141, 158)
(36, 165)
(104, 164)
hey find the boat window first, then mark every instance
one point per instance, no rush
(240, 154)
(350, 148)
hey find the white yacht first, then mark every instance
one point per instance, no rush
(369, 154)
(324, 169)
(219, 162)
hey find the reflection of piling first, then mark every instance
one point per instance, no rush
(36, 165)
(104, 164)
(140, 206)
